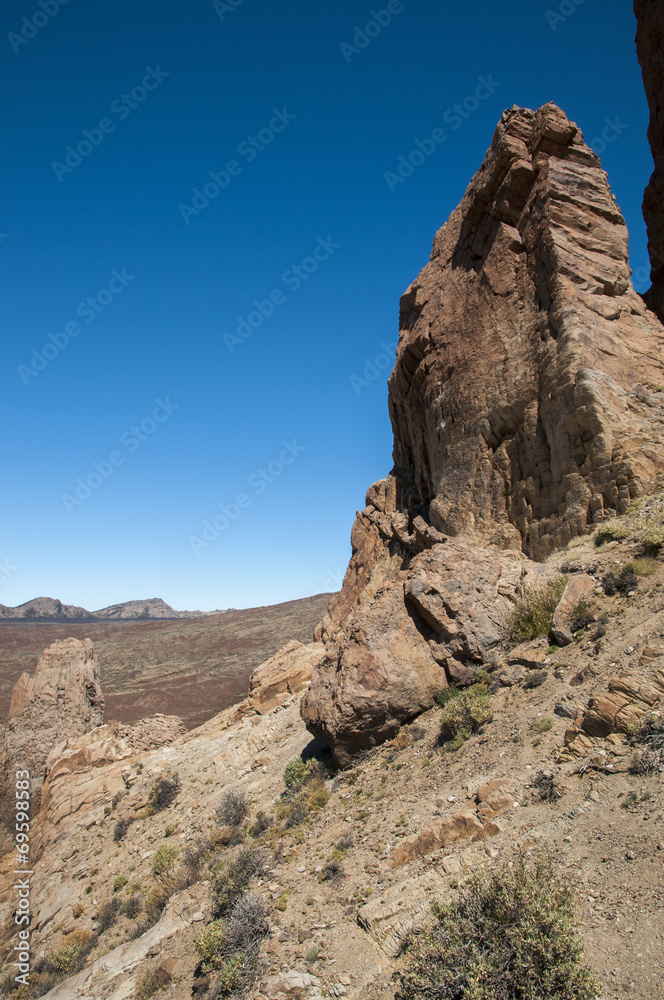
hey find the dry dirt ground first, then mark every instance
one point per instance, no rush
(341, 937)
(193, 667)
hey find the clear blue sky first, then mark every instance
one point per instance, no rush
(170, 92)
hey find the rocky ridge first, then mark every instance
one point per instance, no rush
(45, 608)
(526, 410)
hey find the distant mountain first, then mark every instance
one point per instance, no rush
(44, 607)
(154, 607)
(50, 609)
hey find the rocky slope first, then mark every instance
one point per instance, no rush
(414, 817)
(649, 45)
(526, 409)
(44, 607)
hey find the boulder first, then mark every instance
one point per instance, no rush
(286, 673)
(578, 587)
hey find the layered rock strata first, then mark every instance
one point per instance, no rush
(524, 412)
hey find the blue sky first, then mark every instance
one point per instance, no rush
(123, 288)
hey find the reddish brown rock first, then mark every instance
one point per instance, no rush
(63, 698)
(522, 415)
(286, 673)
(649, 47)
(625, 703)
(577, 588)
(463, 825)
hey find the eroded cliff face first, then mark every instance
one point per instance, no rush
(63, 698)
(649, 47)
(525, 411)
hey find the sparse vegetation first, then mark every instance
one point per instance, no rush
(649, 737)
(652, 540)
(163, 793)
(611, 531)
(582, 615)
(119, 882)
(446, 695)
(233, 807)
(542, 725)
(547, 787)
(509, 937)
(623, 582)
(232, 877)
(644, 566)
(465, 714)
(121, 827)
(147, 985)
(295, 774)
(533, 613)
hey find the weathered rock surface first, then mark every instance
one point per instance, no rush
(577, 588)
(625, 703)
(649, 47)
(62, 699)
(523, 414)
(286, 673)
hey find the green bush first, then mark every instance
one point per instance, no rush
(232, 878)
(463, 715)
(533, 613)
(611, 531)
(652, 540)
(147, 985)
(295, 774)
(163, 861)
(119, 883)
(446, 695)
(509, 937)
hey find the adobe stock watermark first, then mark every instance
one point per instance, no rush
(248, 149)
(31, 26)
(122, 107)
(372, 369)
(7, 569)
(293, 278)
(257, 483)
(562, 13)
(22, 913)
(131, 440)
(613, 129)
(454, 116)
(378, 21)
(224, 7)
(87, 310)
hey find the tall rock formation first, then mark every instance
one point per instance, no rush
(61, 700)
(649, 47)
(523, 412)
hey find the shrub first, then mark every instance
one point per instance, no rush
(509, 937)
(232, 807)
(582, 616)
(132, 906)
(346, 841)
(446, 695)
(644, 566)
(121, 827)
(147, 985)
(194, 854)
(163, 793)
(108, 914)
(611, 531)
(119, 882)
(534, 610)
(547, 787)
(621, 583)
(295, 774)
(651, 737)
(312, 955)
(463, 715)
(332, 872)
(170, 830)
(232, 945)
(262, 823)
(233, 877)
(155, 902)
(163, 862)
(542, 725)
(652, 540)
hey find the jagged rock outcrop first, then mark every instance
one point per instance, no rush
(524, 413)
(63, 698)
(286, 673)
(649, 47)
